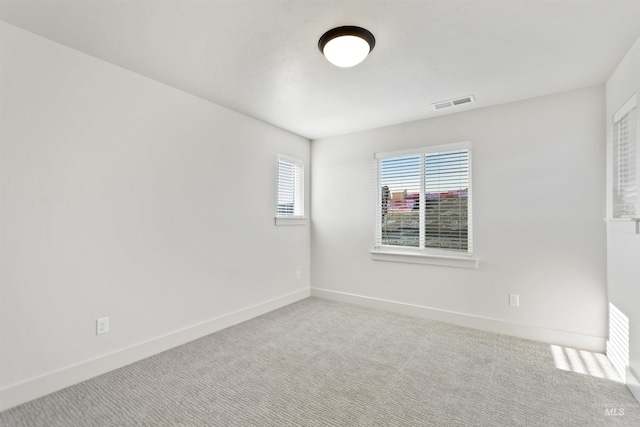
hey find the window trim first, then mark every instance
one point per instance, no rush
(420, 256)
(626, 107)
(430, 256)
(293, 219)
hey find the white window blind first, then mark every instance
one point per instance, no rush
(290, 187)
(400, 208)
(625, 184)
(424, 200)
(447, 200)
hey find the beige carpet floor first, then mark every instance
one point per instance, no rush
(323, 363)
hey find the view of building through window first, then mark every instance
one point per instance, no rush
(425, 200)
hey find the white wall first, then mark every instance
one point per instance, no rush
(623, 244)
(126, 198)
(538, 191)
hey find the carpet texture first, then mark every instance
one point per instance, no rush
(324, 363)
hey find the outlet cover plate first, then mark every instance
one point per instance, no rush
(102, 326)
(514, 300)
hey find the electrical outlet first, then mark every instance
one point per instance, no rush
(102, 326)
(298, 275)
(514, 300)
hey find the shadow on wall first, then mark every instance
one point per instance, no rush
(618, 343)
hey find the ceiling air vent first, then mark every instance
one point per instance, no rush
(453, 102)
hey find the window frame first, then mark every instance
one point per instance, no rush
(297, 217)
(433, 256)
(617, 117)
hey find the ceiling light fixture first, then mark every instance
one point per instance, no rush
(346, 46)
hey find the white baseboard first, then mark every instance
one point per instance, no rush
(633, 383)
(537, 333)
(33, 388)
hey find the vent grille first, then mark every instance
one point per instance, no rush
(453, 102)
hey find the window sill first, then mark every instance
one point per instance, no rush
(447, 260)
(291, 220)
(624, 225)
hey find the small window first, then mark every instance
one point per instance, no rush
(290, 188)
(423, 203)
(625, 160)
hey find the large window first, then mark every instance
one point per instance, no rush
(290, 188)
(424, 200)
(625, 161)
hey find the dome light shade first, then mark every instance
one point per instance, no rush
(346, 46)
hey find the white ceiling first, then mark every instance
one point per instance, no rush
(260, 57)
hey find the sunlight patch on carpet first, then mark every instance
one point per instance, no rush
(583, 362)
